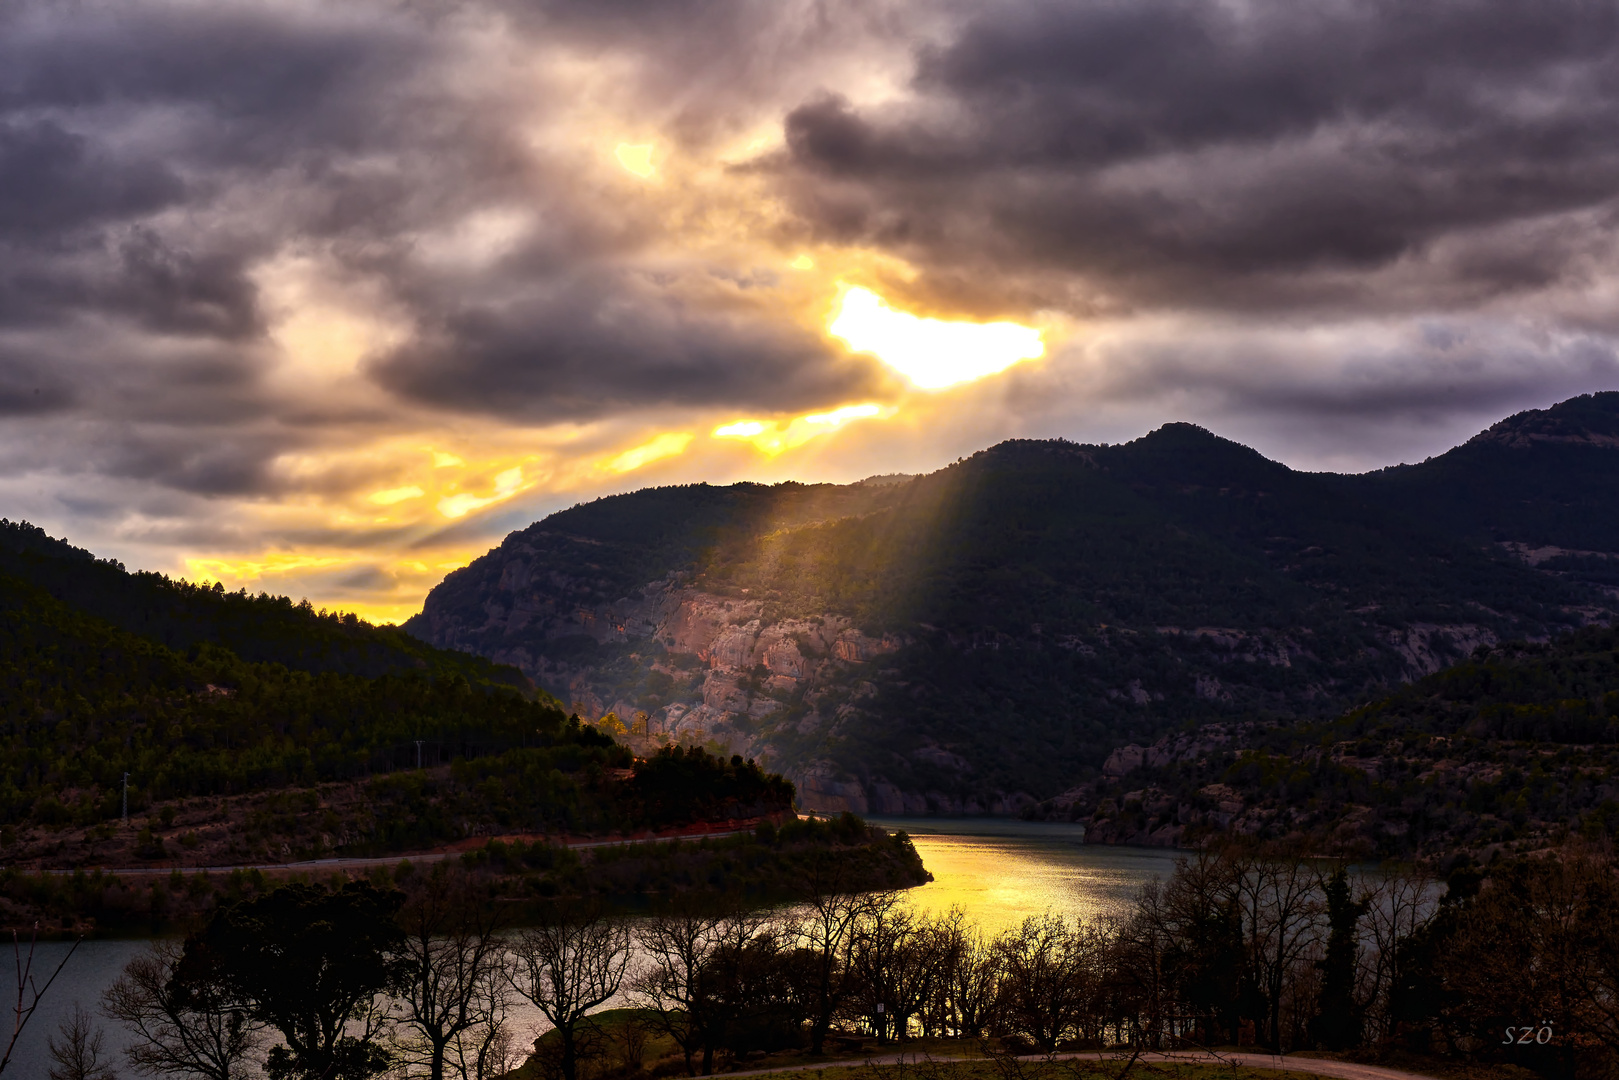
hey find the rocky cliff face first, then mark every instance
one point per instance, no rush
(718, 665)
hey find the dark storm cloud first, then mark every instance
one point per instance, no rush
(581, 348)
(227, 464)
(30, 388)
(54, 182)
(152, 157)
(1167, 151)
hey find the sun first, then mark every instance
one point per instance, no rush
(932, 353)
(636, 158)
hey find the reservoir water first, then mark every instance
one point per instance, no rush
(999, 871)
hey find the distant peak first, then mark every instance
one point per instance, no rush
(1180, 431)
(1016, 449)
(1179, 436)
(1590, 419)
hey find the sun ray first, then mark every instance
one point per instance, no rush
(774, 437)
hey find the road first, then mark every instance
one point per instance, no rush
(389, 860)
(1340, 1070)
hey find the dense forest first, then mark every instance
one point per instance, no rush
(85, 702)
(960, 641)
(263, 628)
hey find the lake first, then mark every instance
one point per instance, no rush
(999, 871)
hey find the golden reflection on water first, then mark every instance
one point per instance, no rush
(1002, 871)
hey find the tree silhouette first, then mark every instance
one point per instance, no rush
(182, 1026)
(309, 963)
(572, 963)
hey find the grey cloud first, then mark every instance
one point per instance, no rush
(54, 181)
(351, 136)
(592, 344)
(229, 465)
(28, 388)
(1170, 151)
(1376, 374)
(172, 290)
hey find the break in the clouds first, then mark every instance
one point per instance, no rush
(316, 296)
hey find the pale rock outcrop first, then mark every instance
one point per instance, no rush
(1124, 760)
(733, 648)
(1427, 647)
(667, 720)
(942, 758)
(854, 647)
(1013, 804)
(722, 694)
(783, 658)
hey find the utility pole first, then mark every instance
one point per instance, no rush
(126, 798)
(419, 752)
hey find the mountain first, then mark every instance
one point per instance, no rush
(985, 636)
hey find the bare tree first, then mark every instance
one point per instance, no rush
(1539, 946)
(1280, 901)
(753, 983)
(182, 1027)
(1398, 906)
(969, 982)
(1142, 967)
(826, 932)
(76, 1049)
(454, 982)
(572, 964)
(897, 958)
(680, 947)
(1047, 978)
(707, 976)
(29, 992)
(490, 1049)
(1197, 920)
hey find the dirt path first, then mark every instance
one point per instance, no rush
(1340, 1070)
(394, 860)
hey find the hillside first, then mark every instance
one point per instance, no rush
(1516, 746)
(231, 760)
(985, 636)
(263, 628)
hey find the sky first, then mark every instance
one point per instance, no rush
(324, 299)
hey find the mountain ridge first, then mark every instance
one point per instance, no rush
(978, 638)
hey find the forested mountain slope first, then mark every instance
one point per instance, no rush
(968, 639)
(243, 761)
(85, 701)
(263, 628)
(1516, 745)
